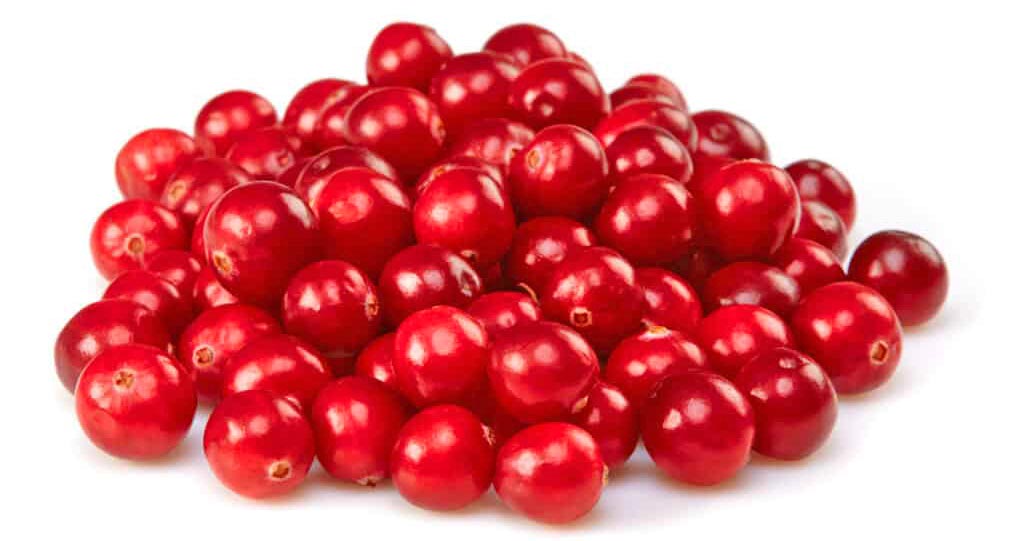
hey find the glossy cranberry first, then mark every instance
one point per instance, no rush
(540, 245)
(698, 428)
(747, 282)
(281, 364)
(907, 270)
(307, 106)
(821, 224)
(290, 177)
(732, 335)
(594, 291)
(648, 113)
(551, 472)
(197, 244)
(578, 58)
(723, 134)
(697, 265)
(704, 168)
(208, 293)
(312, 179)
(494, 140)
(636, 92)
(376, 361)
(330, 129)
(135, 401)
(612, 421)
(558, 91)
(129, 232)
(258, 444)
(669, 300)
(502, 425)
(526, 43)
(473, 86)
(147, 161)
(443, 459)
(196, 185)
(660, 83)
(399, 124)
(178, 267)
(422, 276)
(264, 153)
(749, 210)
(541, 371)
(502, 310)
(208, 343)
(795, 406)
(648, 149)
(640, 362)
(406, 54)
(457, 162)
(818, 181)
(158, 295)
(227, 116)
(650, 219)
(808, 263)
(257, 235)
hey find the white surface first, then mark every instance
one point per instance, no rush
(920, 107)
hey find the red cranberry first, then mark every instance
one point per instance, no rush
(704, 168)
(502, 425)
(562, 172)
(502, 310)
(422, 276)
(818, 181)
(290, 177)
(207, 344)
(648, 149)
(330, 129)
(723, 134)
(457, 162)
(208, 293)
(907, 270)
(198, 184)
(795, 406)
(749, 210)
(540, 245)
(642, 361)
(636, 92)
(747, 282)
(541, 371)
(307, 106)
(264, 153)
(732, 335)
(376, 360)
(443, 459)
(229, 115)
(178, 267)
(494, 140)
(852, 332)
(612, 421)
(578, 58)
(135, 401)
(650, 219)
(594, 291)
(406, 54)
(356, 421)
(281, 364)
(661, 84)
(259, 445)
(648, 113)
(526, 43)
(551, 472)
(312, 179)
(821, 224)
(810, 264)
(472, 86)
(257, 235)
(558, 91)
(197, 244)
(156, 294)
(129, 232)
(147, 161)
(697, 265)
(698, 428)
(669, 300)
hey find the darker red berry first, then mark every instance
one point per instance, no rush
(659, 83)
(406, 54)
(732, 335)
(818, 181)
(307, 106)
(148, 160)
(156, 294)
(751, 283)
(265, 153)
(495, 141)
(330, 128)
(648, 113)
(178, 267)
(376, 361)
(636, 92)
(526, 43)
(473, 86)
(422, 276)
(208, 293)
(457, 162)
(648, 149)
(669, 300)
(640, 362)
(502, 310)
(281, 364)
(821, 224)
(313, 178)
(558, 91)
(612, 421)
(726, 135)
(195, 186)
(227, 116)
(810, 264)
(539, 246)
(129, 232)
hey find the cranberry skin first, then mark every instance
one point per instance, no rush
(852, 332)
(197, 244)
(135, 401)
(399, 124)
(473, 86)
(650, 219)
(281, 364)
(540, 245)
(289, 177)
(558, 91)
(406, 54)
(562, 172)
(749, 210)
(660, 83)
(502, 310)
(494, 140)
(752, 283)
(669, 300)
(312, 179)
(822, 225)
(636, 92)
(541, 371)
(198, 184)
(818, 181)
(457, 162)
(648, 113)
(129, 232)
(178, 267)
(723, 134)
(257, 236)
(422, 276)
(208, 293)
(156, 294)
(330, 129)
(146, 162)
(795, 406)
(642, 361)
(208, 343)
(307, 106)
(526, 43)
(376, 361)
(100, 326)
(648, 149)
(227, 116)
(808, 263)
(732, 335)
(594, 291)
(697, 265)
(258, 445)
(698, 428)
(907, 270)
(551, 472)
(265, 153)
(443, 459)
(612, 421)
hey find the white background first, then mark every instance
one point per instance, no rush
(919, 106)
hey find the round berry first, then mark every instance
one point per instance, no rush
(494, 140)
(640, 362)
(406, 54)
(178, 267)
(422, 276)
(502, 310)
(198, 184)
(752, 283)
(648, 113)
(376, 360)
(148, 160)
(473, 86)
(648, 149)
(281, 364)
(129, 232)
(558, 91)
(818, 181)
(732, 335)
(526, 43)
(227, 116)
(307, 106)
(821, 224)
(722, 134)
(208, 293)
(156, 294)
(265, 153)
(612, 421)
(540, 245)
(669, 300)
(810, 264)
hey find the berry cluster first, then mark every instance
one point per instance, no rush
(481, 270)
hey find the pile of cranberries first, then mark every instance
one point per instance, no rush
(481, 270)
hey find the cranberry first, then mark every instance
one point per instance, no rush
(636, 92)
(669, 300)
(207, 344)
(135, 401)
(810, 264)
(661, 84)
(649, 218)
(312, 179)
(472, 86)
(648, 149)
(356, 421)
(290, 177)
(156, 294)
(818, 181)
(100, 326)
(526, 43)
(612, 421)
(494, 140)
(540, 245)
(698, 428)
(648, 113)
(821, 224)
(229, 115)
(551, 472)
(457, 162)
(594, 291)
(178, 267)
(148, 159)
(257, 235)
(852, 332)
(558, 91)
(422, 276)
(723, 134)
(732, 335)
(502, 310)
(704, 168)
(406, 54)
(443, 459)
(795, 406)
(562, 172)
(208, 293)
(264, 153)
(330, 128)
(307, 106)
(642, 361)
(907, 270)
(697, 265)
(376, 360)
(749, 210)
(197, 244)
(747, 282)
(127, 233)
(281, 364)
(541, 371)
(198, 184)
(259, 445)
